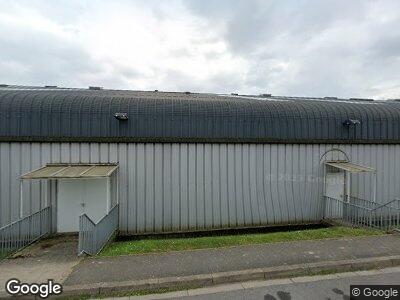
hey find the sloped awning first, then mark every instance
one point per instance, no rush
(58, 171)
(349, 167)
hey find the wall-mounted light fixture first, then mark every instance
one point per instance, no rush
(351, 122)
(121, 116)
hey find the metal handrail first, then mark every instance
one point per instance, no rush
(90, 220)
(17, 221)
(24, 231)
(94, 236)
(365, 200)
(371, 209)
(384, 216)
(386, 205)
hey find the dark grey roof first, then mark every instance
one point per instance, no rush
(55, 114)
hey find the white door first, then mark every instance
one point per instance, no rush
(78, 196)
(334, 189)
(95, 200)
(69, 204)
(335, 185)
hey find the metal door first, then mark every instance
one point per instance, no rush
(70, 204)
(334, 187)
(78, 196)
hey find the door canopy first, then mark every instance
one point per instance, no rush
(58, 171)
(349, 167)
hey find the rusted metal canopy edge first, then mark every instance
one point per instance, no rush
(59, 171)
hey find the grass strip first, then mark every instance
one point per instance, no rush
(165, 244)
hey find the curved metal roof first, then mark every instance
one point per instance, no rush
(53, 114)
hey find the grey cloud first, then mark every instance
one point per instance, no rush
(306, 47)
(250, 24)
(63, 12)
(222, 82)
(180, 52)
(302, 34)
(39, 58)
(385, 48)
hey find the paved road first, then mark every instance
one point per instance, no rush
(329, 287)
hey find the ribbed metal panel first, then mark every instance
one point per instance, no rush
(88, 115)
(181, 187)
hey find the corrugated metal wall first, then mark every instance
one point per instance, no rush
(179, 187)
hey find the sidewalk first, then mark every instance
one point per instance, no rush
(47, 259)
(204, 267)
(114, 273)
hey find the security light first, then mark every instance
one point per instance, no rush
(121, 116)
(350, 122)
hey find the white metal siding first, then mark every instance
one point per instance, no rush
(180, 187)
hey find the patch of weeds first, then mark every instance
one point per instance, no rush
(4, 255)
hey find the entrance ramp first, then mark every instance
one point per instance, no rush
(48, 258)
(51, 248)
(361, 212)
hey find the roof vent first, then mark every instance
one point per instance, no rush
(266, 95)
(330, 98)
(121, 116)
(95, 88)
(156, 90)
(351, 122)
(50, 86)
(187, 93)
(234, 94)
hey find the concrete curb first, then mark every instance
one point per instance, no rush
(205, 280)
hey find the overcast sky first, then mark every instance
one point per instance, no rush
(295, 48)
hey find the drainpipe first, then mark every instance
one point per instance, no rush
(46, 196)
(108, 194)
(21, 207)
(348, 186)
(375, 184)
(117, 193)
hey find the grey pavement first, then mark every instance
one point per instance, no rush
(206, 261)
(52, 258)
(328, 287)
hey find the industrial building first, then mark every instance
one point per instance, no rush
(177, 162)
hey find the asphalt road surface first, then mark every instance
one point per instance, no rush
(333, 286)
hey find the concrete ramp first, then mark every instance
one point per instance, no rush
(48, 258)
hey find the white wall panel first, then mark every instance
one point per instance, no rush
(180, 187)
